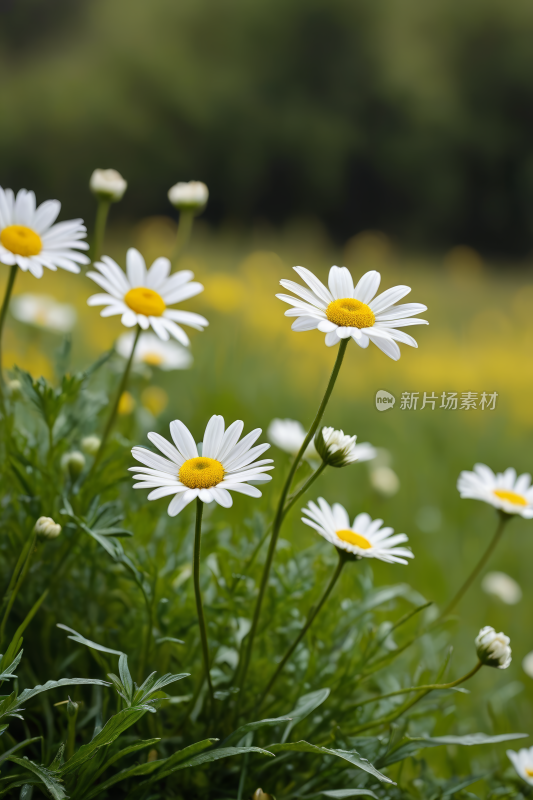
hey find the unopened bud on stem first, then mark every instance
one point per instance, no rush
(91, 445)
(73, 463)
(108, 184)
(493, 648)
(335, 448)
(191, 196)
(46, 528)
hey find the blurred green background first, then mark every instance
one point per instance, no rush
(390, 136)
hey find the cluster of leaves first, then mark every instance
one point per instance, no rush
(339, 723)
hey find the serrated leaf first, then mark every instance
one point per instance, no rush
(412, 746)
(249, 727)
(50, 779)
(352, 756)
(7, 672)
(305, 705)
(28, 693)
(111, 731)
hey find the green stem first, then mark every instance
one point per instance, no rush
(198, 594)
(18, 584)
(280, 513)
(290, 502)
(310, 619)
(148, 638)
(183, 235)
(504, 519)
(3, 315)
(114, 410)
(102, 210)
(425, 690)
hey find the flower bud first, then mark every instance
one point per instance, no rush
(259, 794)
(72, 708)
(90, 445)
(384, 480)
(191, 196)
(108, 184)
(14, 386)
(493, 648)
(46, 528)
(335, 448)
(73, 463)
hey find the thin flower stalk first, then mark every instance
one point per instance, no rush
(278, 519)
(100, 224)
(3, 315)
(198, 595)
(500, 528)
(26, 556)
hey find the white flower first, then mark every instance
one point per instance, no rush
(152, 351)
(338, 449)
(503, 586)
(522, 761)
(504, 490)
(191, 196)
(364, 539)
(344, 310)
(29, 238)
(493, 648)
(108, 184)
(91, 444)
(289, 436)
(142, 295)
(46, 528)
(226, 465)
(43, 311)
(527, 664)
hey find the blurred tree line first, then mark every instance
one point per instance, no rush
(408, 116)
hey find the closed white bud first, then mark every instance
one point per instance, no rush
(191, 196)
(384, 480)
(90, 445)
(335, 447)
(108, 184)
(46, 528)
(14, 387)
(73, 463)
(493, 648)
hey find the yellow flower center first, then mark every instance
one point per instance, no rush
(350, 313)
(511, 497)
(529, 772)
(145, 301)
(21, 240)
(354, 538)
(201, 472)
(153, 359)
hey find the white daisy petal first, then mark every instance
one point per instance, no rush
(135, 268)
(367, 287)
(214, 433)
(181, 500)
(388, 298)
(183, 439)
(505, 491)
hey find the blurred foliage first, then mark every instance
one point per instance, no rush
(413, 117)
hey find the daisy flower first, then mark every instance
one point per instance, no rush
(289, 436)
(364, 539)
(29, 238)
(522, 761)
(343, 310)
(142, 295)
(503, 490)
(153, 352)
(339, 449)
(44, 311)
(225, 465)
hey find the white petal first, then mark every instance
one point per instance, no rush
(367, 286)
(165, 447)
(181, 500)
(136, 268)
(388, 298)
(183, 439)
(214, 433)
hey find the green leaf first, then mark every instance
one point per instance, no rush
(125, 676)
(342, 793)
(212, 755)
(133, 748)
(45, 776)
(183, 755)
(111, 731)
(7, 671)
(130, 772)
(79, 639)
(352, 756)
(238, 734)
(18, 746)
(411, 746)
(305, 705)
(27, 693)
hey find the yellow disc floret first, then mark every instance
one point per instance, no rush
(201, 472)
(354, 538)
(350, 313)
(511, 497)
(529, 772)
(152, 358)
(21, 240)
(145, 301)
